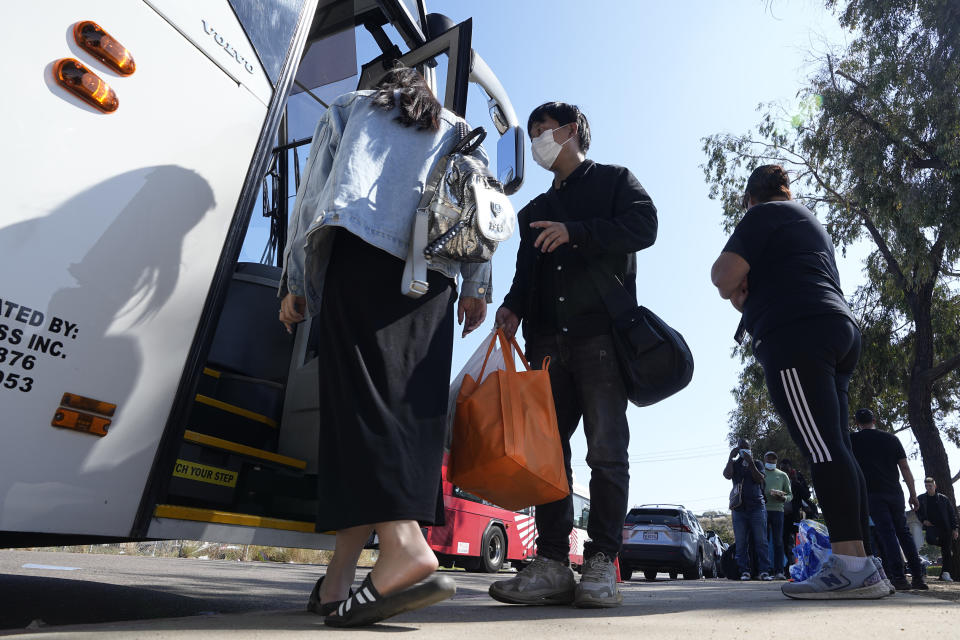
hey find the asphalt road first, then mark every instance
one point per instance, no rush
(72, 596)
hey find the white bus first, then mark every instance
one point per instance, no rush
(147, 390)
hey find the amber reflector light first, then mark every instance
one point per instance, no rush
(87, 404)
(86, 422)
(85, 84)
(104, 47)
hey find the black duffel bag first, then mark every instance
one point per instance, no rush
(654, 358)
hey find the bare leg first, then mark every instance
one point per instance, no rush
(343, 566)
(405, 557)
(849, 548)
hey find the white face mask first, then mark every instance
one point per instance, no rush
(545, 149)
(770, 465)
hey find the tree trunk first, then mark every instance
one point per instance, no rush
(920, 415)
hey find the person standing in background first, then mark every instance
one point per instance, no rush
(939, 519)
(776, 492)
(750, 515)
(883, 460)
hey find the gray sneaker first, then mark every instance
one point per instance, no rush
(835, 582)
(598, 584)
(543, 581)
(878, 563)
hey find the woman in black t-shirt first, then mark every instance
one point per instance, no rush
(778, 269)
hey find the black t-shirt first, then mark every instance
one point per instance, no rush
(752, 491)
(793, 274)
(878, 453)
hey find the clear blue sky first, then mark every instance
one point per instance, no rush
(653, 78)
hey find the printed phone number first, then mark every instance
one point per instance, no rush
(14, 358)
(15, 381)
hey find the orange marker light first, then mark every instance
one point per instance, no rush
(85, 422)
(104, 47)
(87, 404)
(85, 84)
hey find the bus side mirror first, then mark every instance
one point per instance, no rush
(510, 160)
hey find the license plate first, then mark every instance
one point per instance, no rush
(649, 535)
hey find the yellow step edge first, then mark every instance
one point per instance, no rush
(242, 449)
(229, 408)
(176, 512)
(213, 373)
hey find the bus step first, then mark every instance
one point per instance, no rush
(258, 455)
(279, 493)
(219, 419)
(262, 397)
(179, 512)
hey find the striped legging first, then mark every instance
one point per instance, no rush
(808, 365)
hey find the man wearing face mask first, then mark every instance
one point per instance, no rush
(777, 493)
(592, 214)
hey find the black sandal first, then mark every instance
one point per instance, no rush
(367, 606)
(314, 605)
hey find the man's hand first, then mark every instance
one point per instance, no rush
(508, 321)
(291, 310)
(734, 453)
(956, 534)
(914, 503)
(553, 235)
(471, 313)
(927, 523)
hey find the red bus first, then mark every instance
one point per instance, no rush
(480, 536)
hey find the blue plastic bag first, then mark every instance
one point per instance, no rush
(813, 548)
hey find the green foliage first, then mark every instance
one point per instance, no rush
(874, 151)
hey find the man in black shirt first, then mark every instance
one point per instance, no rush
(939, 518)
(882, 459)
(592, 214)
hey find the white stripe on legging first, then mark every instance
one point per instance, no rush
(798, 417)
(811, 423)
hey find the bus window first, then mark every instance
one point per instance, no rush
(460, 493)
(269, 26)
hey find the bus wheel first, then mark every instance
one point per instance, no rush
(493, 550)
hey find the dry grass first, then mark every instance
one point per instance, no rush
(212, 551)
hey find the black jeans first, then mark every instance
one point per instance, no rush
(890, 526)
(945, 539)
(587, 383)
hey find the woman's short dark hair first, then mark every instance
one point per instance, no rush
(418, 105)
(766, 183)
(564, 114)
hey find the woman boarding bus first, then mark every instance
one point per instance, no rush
(139, 142)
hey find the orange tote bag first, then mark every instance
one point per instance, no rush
(506, 446)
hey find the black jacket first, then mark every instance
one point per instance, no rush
(938, 510)
(609, 216)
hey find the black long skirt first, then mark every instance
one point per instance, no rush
(384, 375)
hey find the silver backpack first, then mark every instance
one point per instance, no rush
(462, 216)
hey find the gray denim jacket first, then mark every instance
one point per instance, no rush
(365, 174)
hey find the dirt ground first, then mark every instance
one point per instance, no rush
(941, 590)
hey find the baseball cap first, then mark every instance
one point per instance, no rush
(771, 453)
(864, 416)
